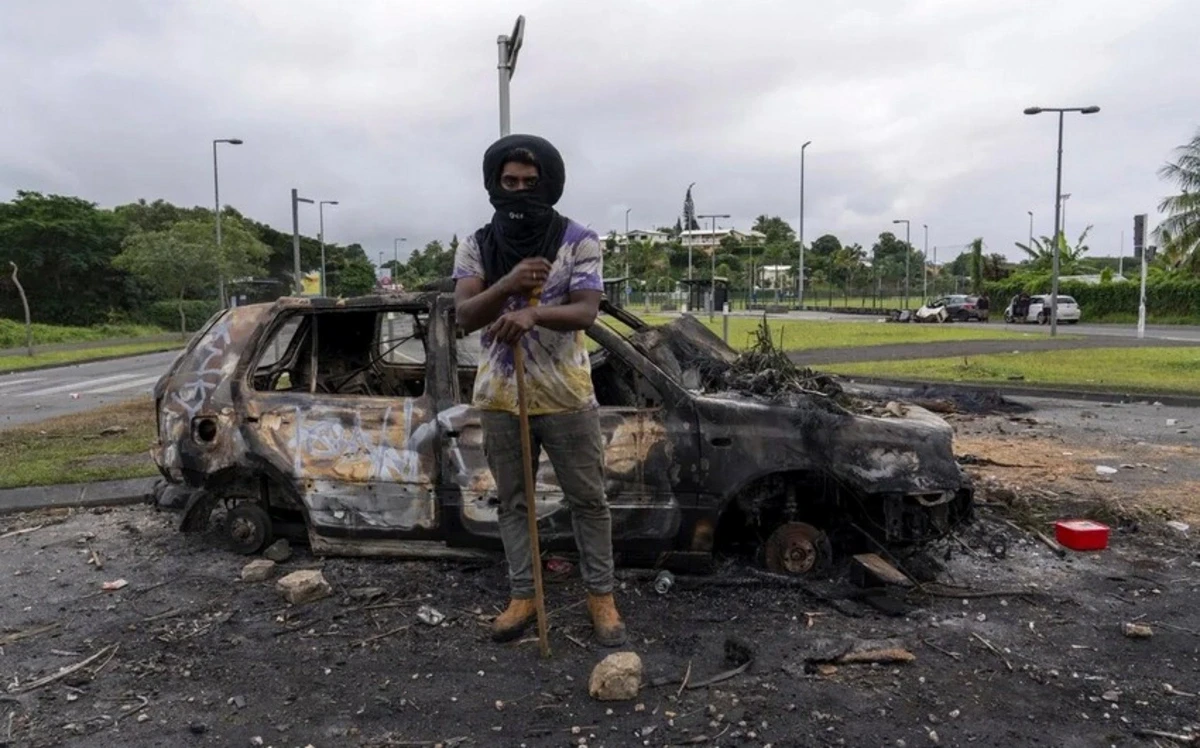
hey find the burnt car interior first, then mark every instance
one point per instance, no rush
(365, 353)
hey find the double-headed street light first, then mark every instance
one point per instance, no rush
(217, 213)
(321, 212)
(1058, 202)
(907, 255)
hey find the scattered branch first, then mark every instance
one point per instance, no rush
(63, 672)
(992, 648)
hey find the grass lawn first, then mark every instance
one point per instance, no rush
(799, 335)
(61, 358)
(12, 333)
(1150, 370)
(71, 449)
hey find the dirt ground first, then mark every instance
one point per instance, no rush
(1031, 652)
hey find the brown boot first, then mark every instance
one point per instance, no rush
(512, 622)
(606, 621)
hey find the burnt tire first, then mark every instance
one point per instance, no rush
(247, 528)
(797, 549)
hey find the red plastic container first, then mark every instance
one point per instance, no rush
(1081, 534)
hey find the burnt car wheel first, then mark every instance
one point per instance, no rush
(797, 548)
(247, 528)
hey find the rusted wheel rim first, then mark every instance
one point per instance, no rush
(243, 529)
(796, 548)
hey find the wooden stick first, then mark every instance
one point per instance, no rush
(992, 648)
(65, 671)
(377, 637)
(539, 595)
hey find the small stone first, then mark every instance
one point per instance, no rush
(955, 714)
(143, 717)
(617, 677)
(933, 737)
(639, 708)
(304, 586)
(1137, 631)
(237, 702)
(981, 617)
(256, 740)
(258, 570)
(1111, 696)
(279, 551)
(499, 705)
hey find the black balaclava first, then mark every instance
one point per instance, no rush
(525, 223)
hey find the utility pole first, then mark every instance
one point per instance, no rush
(217, 215)
(627, 246)
(321, 213)
(507, 48)
(296, 200)
(800, 276)
(1030, 245)
(1139, 247)
(907, 255)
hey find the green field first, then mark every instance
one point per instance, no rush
(62, 358)
(72, 449)
(1148, 370)
(12, 333)
(800, 335)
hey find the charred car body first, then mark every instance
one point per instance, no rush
(350, 421)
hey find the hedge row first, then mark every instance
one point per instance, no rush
(1175, 298)
(165, 314)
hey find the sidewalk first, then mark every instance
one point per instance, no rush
(72, 495)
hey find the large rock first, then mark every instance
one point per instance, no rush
(258, 570)
(304, 586)
(617, 677)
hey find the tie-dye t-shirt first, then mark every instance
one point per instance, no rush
(558, 377)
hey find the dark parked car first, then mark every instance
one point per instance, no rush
(349, 422)
(960, 307)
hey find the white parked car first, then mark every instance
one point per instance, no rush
(1039, 310)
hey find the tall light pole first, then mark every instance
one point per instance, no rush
(925, 266)
(907, 254)
(321, 213)
(800, 277)
(396, 256)
(687, 220)
(627, 246)
(296, 200)
(507, 48)
(1057, 203)
(1030, 245)
(712, 294)
(217, 213)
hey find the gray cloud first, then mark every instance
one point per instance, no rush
(914, 109)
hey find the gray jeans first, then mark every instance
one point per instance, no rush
(575, 446)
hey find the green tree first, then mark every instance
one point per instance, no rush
(353, 278)
(64, 247)
(1181, 228)
(977, 266)
(184, 260)
(776, 230)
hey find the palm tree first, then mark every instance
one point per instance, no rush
(1070, 259)
(1182, 224)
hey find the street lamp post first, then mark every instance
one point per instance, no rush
(925, 266)
(627, 246)
(217, 214)
(712, 293)
(907, 254)
(321, 213)
(1064, 198)
(1030, 245)
(396, 256)
(1057, 202)
(800, 277)
(507, 49)
(296, 200)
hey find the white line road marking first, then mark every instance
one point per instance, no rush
(122, 386)
(75, 385)
(20, 381)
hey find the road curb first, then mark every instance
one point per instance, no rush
(100, 359)
(77, 495)
(1175, 401)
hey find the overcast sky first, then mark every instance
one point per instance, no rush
(913, 108)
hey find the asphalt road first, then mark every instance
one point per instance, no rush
(26, 397)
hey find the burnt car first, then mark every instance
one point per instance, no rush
(349, 423)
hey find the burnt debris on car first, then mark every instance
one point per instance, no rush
(349, 422)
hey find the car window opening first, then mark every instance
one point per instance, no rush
(356, 353)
